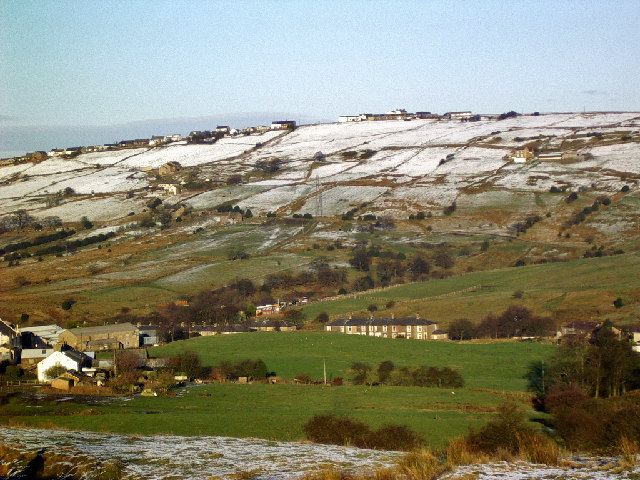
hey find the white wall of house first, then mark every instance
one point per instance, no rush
(54, 359)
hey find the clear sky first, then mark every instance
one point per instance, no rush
(107, 62)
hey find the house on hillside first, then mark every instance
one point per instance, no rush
(522, 155)
(350, 118)
(283, 125)
(116, 336)
(267, 309)
(170, 188)
(67, 359)
(584, 329)
(415, 327)
(7, 353)
(273, 326)
(466, 115)
(550, 156)
(224, 129)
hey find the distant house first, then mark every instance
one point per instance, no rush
(550, 156)
(584, 329)
(458, 115)
(267, 309)
(56, 152)
(283, 125)
(121, 335)
(170, 188)
(439, 335)
(349, 118)
(224, 129)
(226, 329)
(522, 155)
(157, 140)
(425, 115)
(175, 137)
(137, 142)
(416, 327)
(273, 326)
(68, 359)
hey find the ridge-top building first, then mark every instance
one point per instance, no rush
(415, 327)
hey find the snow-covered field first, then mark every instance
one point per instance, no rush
(410, 157)
(156, 457)
(162, 456)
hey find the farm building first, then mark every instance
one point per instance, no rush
(416, 327)
(48, 334)
(458, 115)
(522, 155)
(267, 309)
(68, 359)
(273, 326)
(283, 125)
(32, 356)
(121, 335)
(550, 156)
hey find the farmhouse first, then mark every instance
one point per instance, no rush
(170, 188)
(458, 115)
(550, 156)
(283, 125)
(224, 129)
(68, 359)
(116, 336)
(267, 309)
(417, 328)
(273, 326)
(350, 118)
(521, 155)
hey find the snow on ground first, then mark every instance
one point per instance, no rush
(11, 170)
(99, 209)
(156, 457)
(331, 169)
(622, 157)
(213, 198)
(340, 199)
(436, 194)
(590, 120)
(273, 199)
(107, 180)
(110, 157)
(56, 165)
(33, 186)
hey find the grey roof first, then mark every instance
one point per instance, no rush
(114, 328)
(357, 322)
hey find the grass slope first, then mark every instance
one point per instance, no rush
(496, 366)
(587, 284)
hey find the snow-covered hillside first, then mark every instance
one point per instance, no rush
(394, 166)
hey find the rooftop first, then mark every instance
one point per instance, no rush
(380, 322)
(113, 328)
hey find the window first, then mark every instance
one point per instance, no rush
(393, 328)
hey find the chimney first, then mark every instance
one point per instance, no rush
(350, 317)
(417, 316)
(393, 316)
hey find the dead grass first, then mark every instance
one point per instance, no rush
(629, 450)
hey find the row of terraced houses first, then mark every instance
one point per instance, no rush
(415, 327)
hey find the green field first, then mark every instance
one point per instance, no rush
(275, 412)
(496, 366)
(493, 373)
(590, 284)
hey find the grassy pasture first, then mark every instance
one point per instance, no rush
(497, 366)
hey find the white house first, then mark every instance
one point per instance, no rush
(69, 359)
(550, 156)
(7, 333)
(458, 115)
(170, 188)
(349, 118)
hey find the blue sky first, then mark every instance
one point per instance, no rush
(110, 63)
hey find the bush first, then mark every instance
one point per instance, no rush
(333, 430)
(67, 304)
(618, 303)
(323, 317)
(625, 189)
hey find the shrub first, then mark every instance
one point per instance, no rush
(625, 189)
(618, 303)
(333, 430)
(67, 304)
(360, 373)
(323, 317)
(501, 433)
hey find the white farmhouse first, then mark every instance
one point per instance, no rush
(68, 359)
(349, 118)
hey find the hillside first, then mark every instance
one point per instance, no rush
(347, 177)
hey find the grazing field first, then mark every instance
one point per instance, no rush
(497, 366)
(554, 287)
(493, 373)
